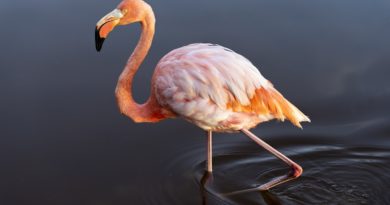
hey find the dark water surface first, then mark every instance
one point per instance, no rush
(63, 141)
(333, 173)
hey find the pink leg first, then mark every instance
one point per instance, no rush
(295, 172)
(209, 163)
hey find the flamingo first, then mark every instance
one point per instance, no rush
(206, 84)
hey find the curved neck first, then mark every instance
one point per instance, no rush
(149, 111)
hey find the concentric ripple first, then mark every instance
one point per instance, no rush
(332, 175)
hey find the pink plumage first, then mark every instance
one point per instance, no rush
(200, 82)
(206, 84)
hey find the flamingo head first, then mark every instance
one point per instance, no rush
(127, 12)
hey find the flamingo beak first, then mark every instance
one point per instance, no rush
(105, 25)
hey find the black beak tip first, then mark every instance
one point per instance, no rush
(98, 40)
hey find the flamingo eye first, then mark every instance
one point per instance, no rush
(124, 11)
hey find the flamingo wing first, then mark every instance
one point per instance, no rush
(213, 86)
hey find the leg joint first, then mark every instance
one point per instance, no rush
(296, 171)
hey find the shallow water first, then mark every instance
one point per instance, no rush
(333, 173)
(63, 141)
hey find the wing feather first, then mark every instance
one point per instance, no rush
(212, 74)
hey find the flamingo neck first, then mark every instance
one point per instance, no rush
(150, 110)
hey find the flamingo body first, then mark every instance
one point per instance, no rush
(206, 84)
(218, 89)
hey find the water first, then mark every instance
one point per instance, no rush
(333, 173)
(63, 141)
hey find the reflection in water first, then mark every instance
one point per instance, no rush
(63, 141)
(270, 198)
(203, 182)
(332, 175)
(356, 173)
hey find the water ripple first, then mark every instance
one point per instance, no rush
(332, 175)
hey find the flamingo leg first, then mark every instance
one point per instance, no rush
(209, 163)
(295, 172)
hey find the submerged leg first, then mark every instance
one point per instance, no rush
(203, 190)
(295, 172)
(209, 162)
